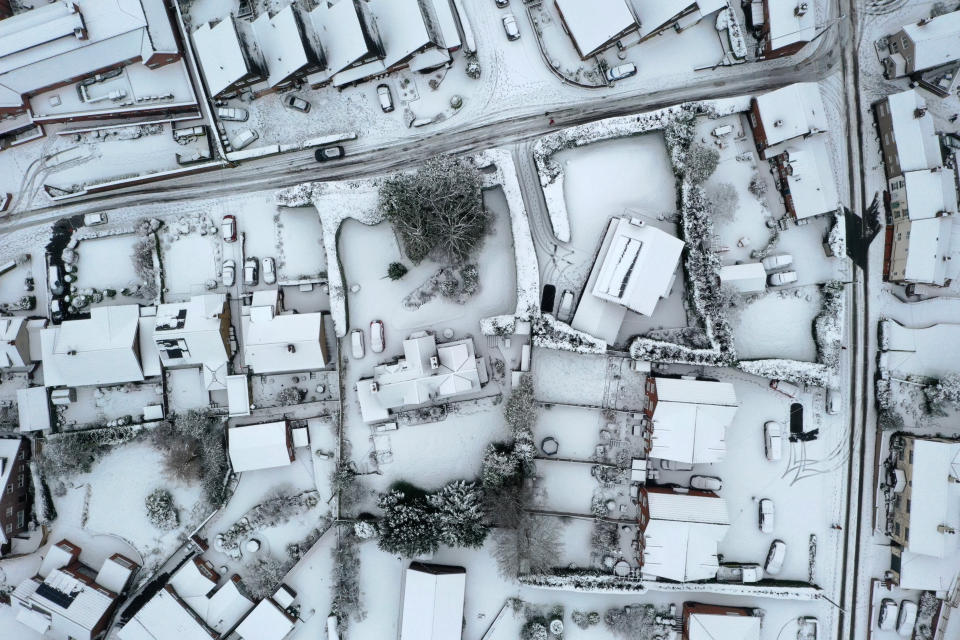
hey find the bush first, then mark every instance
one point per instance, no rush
(346, 578)
(290, 396)
(193, 443)
(701, 163)
(408, 526)
(396, 270)
(161, 510)
(536, 543)
(724, 201)
(459, 514)
(262, 577)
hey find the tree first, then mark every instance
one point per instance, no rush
(536, 543)
(437, 210)
(161, 510)
(408, 527)
(194, 440)
(701, 163)
(459, 514)
(945, 391)
(724, 200)
(396, 270)
(500, 466)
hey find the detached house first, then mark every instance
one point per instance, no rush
(928, 43)
(595, 26)
(788, 113)
(787, 26)
(14, 490)
(276, 341)
(712, 622)
(195, 333)
(688, 419)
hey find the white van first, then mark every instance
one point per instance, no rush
(773, 440)
(244, 138)
(907, 618)
(356, 343)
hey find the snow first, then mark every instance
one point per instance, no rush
(265, 622)
(712, 626)
(220, 54)
(933, 497)
(913, 138)
(934, 43)
(792, 111)
(787, 26)
(813, 189)
(432, 603)
(280, 42)
(778, 325)
(259, 446)
(592, 26)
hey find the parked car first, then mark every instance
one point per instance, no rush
(93, 219)
(739, 572)
(565, 312)
(296, 103)
(228, 275)
(907, 618)
(673, 465)
(54, 280)
(781, 278)
(329, 153)
(502, 3)
(833, 401)
(376, 336)
(772, 263)
(786, 388)
(809, 626)
(244, 138)
(251, 269)
(775, 557)
(356, 343)
(773, 440)
(56, 310)
(269, 271)
(385, 97)
(705, 483)
(888, 614)
(234, 114)
(621, 71)
(766, 515)
(228, 228)
(510, 27)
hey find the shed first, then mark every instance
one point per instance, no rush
(238, 396)
(33, 407)
(260, 446)
(267, 621)
(745, 278)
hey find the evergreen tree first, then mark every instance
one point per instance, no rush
(459, 514)
(408, 527)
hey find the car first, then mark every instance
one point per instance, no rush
(809, 626)
(565, 312)
(245, 138)
(786, 388)
(502, 3)
(233, 114)
(56, 310)
(356, 343)
(298, 104)
(621, 71)
(766, 515)
(773, 440)
(54, 280)
(93, 219)
(781, 278)
(385, 97)
(779, 261)
(673, 465)
(510, 27)
(705, 483)
(907, 618)
(329, 153)
(888, 615)
(228, 275)
(775, 557)
(834, 401)
(269, 271)
(228, 228)
(376, 336)
(251, 269)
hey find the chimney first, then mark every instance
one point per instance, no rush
(801, 9)
(778, 123)
(922, 21)
(945, 528)
(919, 112)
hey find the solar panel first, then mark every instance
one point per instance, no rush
(53, 595)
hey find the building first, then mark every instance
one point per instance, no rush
(679, 533)
(688, 419)
(923, 206)
(267, 621)
(433, 596)
(907, 139)
(228, 56)
(426, 372)
(711, 622)
(100, 350)
(657, 16)
(275, 341)
(195, 333)
(348, 36)
(14, 344)
(635, 267)
(260, 446)
(238, 396)
(14, 490)
(288, 55)
(595, 26)
(66, 599)
(787, 26)
(805, 177)
(750, 277)
(793, 111)
(33, 409)
(929, 43)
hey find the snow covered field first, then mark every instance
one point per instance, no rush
(778, 324)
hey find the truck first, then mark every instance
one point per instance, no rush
(739, 572)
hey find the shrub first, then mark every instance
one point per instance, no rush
(408, 527)
(396, 270)
(161, 510)
(701, 163)
(201, 433)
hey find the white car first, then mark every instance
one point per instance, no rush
(773, 440)
(251, 268)
(781, 278)
(385, 98)
(621, 71)
(510, 27)
(786, 388)
(775, 557)
(565, 312)
(269, 271)
(229, 273)
(772, 263)
(376, 336)
(233, 114)
(93, 219)
(673, 465)
(766, 515)
(245, 138)
(356, 343)
(907, 618)
(705, 483)
(833, 401)
(888, 615)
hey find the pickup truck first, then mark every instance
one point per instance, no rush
(737, 572)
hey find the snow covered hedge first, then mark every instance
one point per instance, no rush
(551, 333)
(804, 373)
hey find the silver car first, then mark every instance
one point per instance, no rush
(229, 273)
(269, 271)
(510, 27)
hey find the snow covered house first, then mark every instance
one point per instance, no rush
(657, 16)
(907, 139)
(928, 43)
(267, 621)
(238, 395)
(635, 267)
(426, 372)
(348, 35)
(750, 277)
(275, 341)
(787, 26)
(805, 177)
(433, 597)
(260, 446)
(595, 26)
(790, 112)
(688, 419)
(14, 490)
(34, 411)
(679, 533)
(66, 598)
(924, 207)
(14, 344)
(100, 350)
(286, 52)
(228, 56)
(711, 622)
(195, 333)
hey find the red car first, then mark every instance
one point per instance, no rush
(376, 336)
(228, 228)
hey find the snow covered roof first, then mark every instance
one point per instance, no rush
(115, 573)
(193, 579)
(746, 278)
(76, 608)
(935, 41)
(656, 14)
(698, 391)
(238, 395)
(165, 617)
(928, 244)
(33, 409)
(193, 332)
(346, 33)
(267, 621)
(406, 27)
(786, 27)
(97, 351)
(707, 626)
(58, 556)
(681, 538)
(917, 144)
(433, 598)
(593, 25)
(149, 356)
(259, 446)
(929, 193)
(222, 54)
(9, 447)
(690, 433)
(791, 111)
(935, 500)
(14, 349)
(279, 343)
(920, 571)
(280, 38)
(810, 177)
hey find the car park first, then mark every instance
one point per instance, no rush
(621, 71)
(228, 228)
(228, 275)
(773, 440)
(251, 269)
(510, 27)
(93, 219)
(233, 114)
(705, 483)
(245, 138)
(297, 104)
(356, 343)
(385, 98)
(887, 619)
(766, 515)
(780, 261)
(907, 619)
(775, 557)
(269, 271)
(325, 154)
(376, 336)
(786, 388)
(782, 278)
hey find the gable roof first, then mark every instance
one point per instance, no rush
(786, 27)
(594, 24)
(281, 42)
(791, 111)
(810, 177)
(432, 603)
(682, 535)
(221, 53)
(705, 626)
(935, 42)
(934, 498)
(165, 617)
(345, 33)
(258, 446)
(286, 342)
(266, 622)
(917, 145)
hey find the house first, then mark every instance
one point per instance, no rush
(267, 621)
(278, 342)
(907, 139)
(805, 177)
(348, 35)
(433, 596)
(750, 277)
(426, 372)
(787, 26)
(923, 206)
(286, 53)
(33, 409)
(14, 344)
(228, 56)
(260, 446)
(195, 333)
(100, 350)
(238, 396)
(595, 26)
(635, 267)
(679, 533)
(66, 599)
(657, 16)
(688, 419)
(929, 43)
(790, 112)
(14, 490)
(710, 622)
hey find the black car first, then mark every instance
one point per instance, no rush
(329, 153)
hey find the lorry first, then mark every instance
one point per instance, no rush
(739, 572)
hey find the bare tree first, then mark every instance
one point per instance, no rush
(533, 546)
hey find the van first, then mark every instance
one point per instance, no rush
(780, 261)
(234, 114)
(244, 139)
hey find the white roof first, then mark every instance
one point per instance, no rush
(594, 24)
(191, 333)
(189, 582)
(14, 346)
(281, 42)
(681, 538)
(258, 446)
(928, 246)
(33, 409)
(164, 617)
(696, 391)
(238, 395)
(266, 622)
(705, 626)
(268, 338)
(786, 27)
(223, 609)
(655, 14)
(114, 575)
(403, 29)
(149, 356)
(96, 351)
(928, 573)
(341, 29)
(935, 42)
(221, 54)
(917, 144)
(929, 193)
(934, 499)
(692, 433)
(57, 557)
(746, 278)
(85, 605)
(791, 111)
(811, 179)
(432, 604)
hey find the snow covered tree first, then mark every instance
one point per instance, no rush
(262, 576)
(521, 414)
(408, 527)
(289, 396)
(194, 440)
(346, 576)
(945, 391)
(345, 482)
(364, 529)
(437, 210)
(533, 546)
(161, 510)
(459, 514)
(396, 270)
(632, 621)
(723, 201)
(701, 163)
(500, 466)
